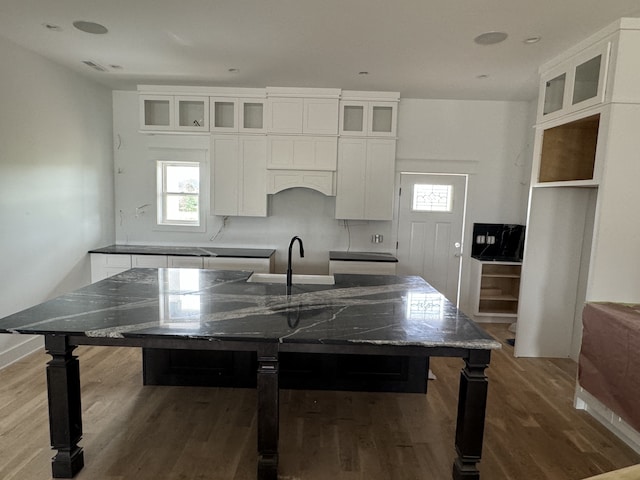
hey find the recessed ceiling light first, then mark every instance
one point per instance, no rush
(363, 73)
(533, 39)
(90, 27)
(490, 38)
(52, 27)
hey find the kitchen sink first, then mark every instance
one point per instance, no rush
(298, 279)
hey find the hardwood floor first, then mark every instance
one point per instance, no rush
(182, 433)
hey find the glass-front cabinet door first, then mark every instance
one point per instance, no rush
(554, 90)
(251, 115)
(353, 118)
(575, 85)
(224, 114)
(192, 113)
(589, 77)
(156, 112)
(368, 119)
(382, 119)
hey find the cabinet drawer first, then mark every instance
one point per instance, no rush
(261, 265)
(367, 268)
(184, 262)
(149, 261)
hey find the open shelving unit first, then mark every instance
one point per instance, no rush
(497, 287)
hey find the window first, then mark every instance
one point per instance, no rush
(432, 198)
(178, 193)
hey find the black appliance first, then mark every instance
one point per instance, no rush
(498, 241)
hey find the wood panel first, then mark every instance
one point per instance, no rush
(569, 151)
(147, 433)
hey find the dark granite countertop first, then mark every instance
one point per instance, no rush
(362, 256)
(186, 251)
(222, 305)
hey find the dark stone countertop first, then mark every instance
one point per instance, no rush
(362, 256)
(222, 305)
(186, 251)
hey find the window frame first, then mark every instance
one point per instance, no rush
(161, 222)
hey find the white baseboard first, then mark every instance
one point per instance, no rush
(24, 348)
(585, 401)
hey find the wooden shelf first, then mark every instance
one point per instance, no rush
(498, 287)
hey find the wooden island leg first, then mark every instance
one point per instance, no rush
(268, 412)
(472, 402)
(65, 412)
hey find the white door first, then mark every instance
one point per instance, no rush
(430, 226)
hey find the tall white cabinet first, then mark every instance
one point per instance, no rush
(366, 155)
(582, 234)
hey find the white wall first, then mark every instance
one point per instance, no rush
(490, 140)
(56, 182)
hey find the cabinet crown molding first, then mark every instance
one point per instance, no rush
(303, 92)
(204, 91)
(363, 96)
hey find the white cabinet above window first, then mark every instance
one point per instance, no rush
(191, 113)
(156, 112)
(174, 113)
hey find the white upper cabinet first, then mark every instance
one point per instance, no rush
(187, 113)
(320, 116)
(285, 115)
(237, 115)
(368, 114)
(239, 175)
(575, 84)
(365, 179)
(156, 112)
(179, 109)
(302, 111)
(303, 152)
(191, 113)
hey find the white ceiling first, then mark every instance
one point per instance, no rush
(421, 48)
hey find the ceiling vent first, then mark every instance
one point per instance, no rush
(94, 65)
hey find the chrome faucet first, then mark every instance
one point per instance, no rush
(289, 271)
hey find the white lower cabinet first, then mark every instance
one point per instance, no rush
(148, 261)
(184, 262)
(365, 183)
(239, 175)
(261, 265)
(362, 267)
(105, 265)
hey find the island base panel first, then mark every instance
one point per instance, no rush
(308, 371)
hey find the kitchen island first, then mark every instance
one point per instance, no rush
(191, 309)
